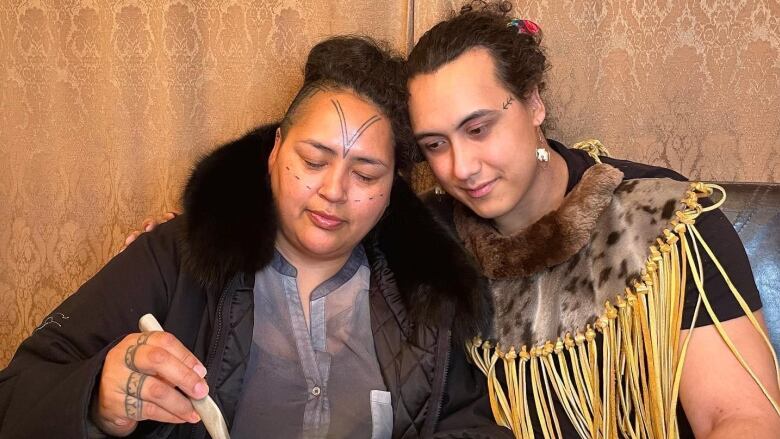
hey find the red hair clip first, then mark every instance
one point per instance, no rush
(525, 26)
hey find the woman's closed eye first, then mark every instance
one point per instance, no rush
(365, 177)
(313, 164)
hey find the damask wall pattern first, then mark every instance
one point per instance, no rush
(105, 104)
(693, 85)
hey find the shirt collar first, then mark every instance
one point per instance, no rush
(355, 260)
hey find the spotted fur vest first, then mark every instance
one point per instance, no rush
(555, 276)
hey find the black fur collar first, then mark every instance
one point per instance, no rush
(230, 227)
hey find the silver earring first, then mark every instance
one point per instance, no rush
(542, 155)
(438, 190)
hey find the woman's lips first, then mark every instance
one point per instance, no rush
(481, 190)
(325, 221)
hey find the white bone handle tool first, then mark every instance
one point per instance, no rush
(206, 407)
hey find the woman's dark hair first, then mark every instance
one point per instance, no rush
(367, 68)
(519, 58)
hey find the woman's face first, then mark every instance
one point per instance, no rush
(479, 138)
(331, 174)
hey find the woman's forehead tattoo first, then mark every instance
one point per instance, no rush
(347, 141)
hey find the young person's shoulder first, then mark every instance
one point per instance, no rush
(578, 161)
(632, 170)
(713, 226)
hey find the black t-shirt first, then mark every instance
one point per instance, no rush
(719, 235)
(714, 227)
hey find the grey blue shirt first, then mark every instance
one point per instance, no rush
(316, 381)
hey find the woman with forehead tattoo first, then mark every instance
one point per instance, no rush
(599, 269)
(290, 289)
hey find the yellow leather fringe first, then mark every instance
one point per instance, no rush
(593, 147)
(632, 391)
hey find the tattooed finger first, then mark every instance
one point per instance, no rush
(130, 357)
(142, 339)
(130, 352)
(133, 401)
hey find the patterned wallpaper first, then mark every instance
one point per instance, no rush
(104, 105)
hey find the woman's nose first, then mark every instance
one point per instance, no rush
(333, 186)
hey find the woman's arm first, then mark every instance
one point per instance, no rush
(47, 388)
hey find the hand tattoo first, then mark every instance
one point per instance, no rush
(130, 352)
(349, 142)
(133, 402)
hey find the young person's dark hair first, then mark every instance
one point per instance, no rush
(370, 69)
(519, 57)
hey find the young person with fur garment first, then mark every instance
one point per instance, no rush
(590, 330)
(304, 276)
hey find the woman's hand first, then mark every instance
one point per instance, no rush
(147, 226)
(140, 379)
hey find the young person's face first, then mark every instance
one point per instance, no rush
(331, 174)
(479, 139)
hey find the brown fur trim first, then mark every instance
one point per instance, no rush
(550, 241)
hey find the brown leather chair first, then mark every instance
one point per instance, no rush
(754, 210)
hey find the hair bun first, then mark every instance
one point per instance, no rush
(349, 58)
